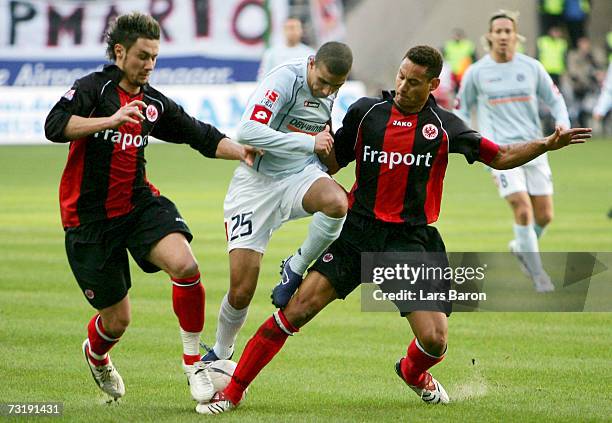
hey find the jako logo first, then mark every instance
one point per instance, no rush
(125, 140)
(400, 123)
(395, 158)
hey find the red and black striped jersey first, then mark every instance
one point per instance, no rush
(105, 173)
(401, 158)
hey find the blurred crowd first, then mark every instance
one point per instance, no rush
(576, 62)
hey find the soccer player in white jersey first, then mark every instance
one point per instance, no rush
(505, 86)
(288, 117)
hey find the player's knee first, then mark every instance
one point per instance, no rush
(116, 325)
(301, 310)
(337, 204)
(545, 218)
(239, 298)
(523, 215)
(434, 341)
(184, 268)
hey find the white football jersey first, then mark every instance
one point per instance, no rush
(282, 117)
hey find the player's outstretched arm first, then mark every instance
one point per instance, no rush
(513, 155)
(231, 150)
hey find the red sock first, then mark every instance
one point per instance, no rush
(259, 351)
(416, 362)
(100, 342)
(188, 303)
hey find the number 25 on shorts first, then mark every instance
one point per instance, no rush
(240, 225)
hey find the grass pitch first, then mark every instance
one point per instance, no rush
(500, 366)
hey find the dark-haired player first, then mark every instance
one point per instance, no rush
(391, 205)
(288, 116)
(108, 207)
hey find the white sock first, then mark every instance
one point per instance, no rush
(322, 231)
(527, 242)
(191, 342)
(229, 324)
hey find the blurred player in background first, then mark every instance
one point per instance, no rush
(505, 86)
(108, 206)
(391, 205)
(604, 102)
(288, 116)
(292, 49)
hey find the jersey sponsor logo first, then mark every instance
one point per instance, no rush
(89, 294)
(394, 158)
(261, 114)
(272, 95)
(299, 125)
(430, 131)
(69, 94)
(126, 140)
(402, 123)
(309, 103)
(151, 113)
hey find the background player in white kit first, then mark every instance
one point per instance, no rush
(505, 87)
(288, 116)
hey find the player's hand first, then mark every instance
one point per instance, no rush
(324, 142)
(562, 138)
(130, 113)
(250, 153)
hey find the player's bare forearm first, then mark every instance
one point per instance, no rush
(231, 150)
(79, 127)
(513, 155)
(329, 160)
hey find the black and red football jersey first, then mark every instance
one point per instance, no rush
(401, 158)
(105, 173)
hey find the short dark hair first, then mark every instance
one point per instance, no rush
(502, 14)
(336, 56)
(126, 29)
(426, 56)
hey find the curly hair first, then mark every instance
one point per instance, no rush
(426, 56)
(126, 29)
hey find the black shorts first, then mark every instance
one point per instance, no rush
(341, 262)
(97, 250)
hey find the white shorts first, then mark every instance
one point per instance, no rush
(256, 205)
(535, 178)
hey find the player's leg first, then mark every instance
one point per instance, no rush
(540, 188)
(512, 186)
(425, 351)
(244, 272)
(173, 254)
(314, 294)
(327, 201)
(251, 213)
(102, 271)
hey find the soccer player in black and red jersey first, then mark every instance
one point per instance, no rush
(108, 206)
(401, 143)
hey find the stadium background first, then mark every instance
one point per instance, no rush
(502, 366)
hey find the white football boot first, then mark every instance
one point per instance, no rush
(519, 256)
(217, 405)
(200, 385)
(106, 377)
(542, 283)
(430, 390)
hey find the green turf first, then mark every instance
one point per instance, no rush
(528, 367)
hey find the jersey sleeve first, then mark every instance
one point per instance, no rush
(467, 96)
(275, 91)
(176, 126)
(470, 143)
(79, 100)
(550, 94)
(345, 138)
